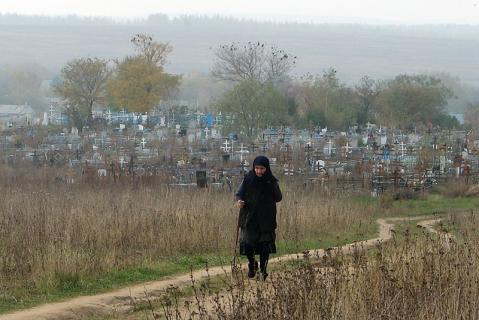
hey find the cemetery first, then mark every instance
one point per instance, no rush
(191, 149)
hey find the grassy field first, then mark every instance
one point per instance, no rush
(59, 241)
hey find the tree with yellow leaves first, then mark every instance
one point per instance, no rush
(140, 82)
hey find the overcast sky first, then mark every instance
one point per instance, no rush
(369, 11)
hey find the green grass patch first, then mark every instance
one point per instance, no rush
(361, 232)
(424, 204)
(432, 204)
(71, 285)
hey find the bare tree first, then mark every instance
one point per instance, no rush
(367, 90)
(153, 51)
(253, 61)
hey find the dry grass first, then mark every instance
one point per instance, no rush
(419, 277)
(50, 231)
(454, 188)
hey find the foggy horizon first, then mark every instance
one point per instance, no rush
(280, 19)
(406, 12)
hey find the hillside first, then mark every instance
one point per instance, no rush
(354, 50)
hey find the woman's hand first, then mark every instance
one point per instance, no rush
(240, 204)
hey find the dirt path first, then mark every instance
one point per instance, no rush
(119, 301)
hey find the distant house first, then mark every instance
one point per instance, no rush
(11, 115)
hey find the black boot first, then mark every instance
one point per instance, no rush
(263, 266)
(252, 268)
(264, 274)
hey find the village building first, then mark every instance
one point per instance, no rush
(15, 115)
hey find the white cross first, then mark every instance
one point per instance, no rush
(143, 143)
(122, 161)
(226, 146)
(198, 116)
(206, 132)
(52, 110)
(402, 149)
(347, 148)
(218, 119)
(330, 147)
(241, 151)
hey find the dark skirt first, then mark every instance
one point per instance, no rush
(256, 242)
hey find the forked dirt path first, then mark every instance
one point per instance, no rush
(121, 300)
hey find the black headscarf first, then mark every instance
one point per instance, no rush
(251, 177)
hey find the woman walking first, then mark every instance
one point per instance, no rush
(256, 198)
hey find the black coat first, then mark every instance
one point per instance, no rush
(260, 196)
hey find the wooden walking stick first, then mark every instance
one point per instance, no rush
(235, 262)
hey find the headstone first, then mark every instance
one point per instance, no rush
(209, 120)
(35, 158)
(383, 140)
(386, 153)
(201, 180)
(45, 119)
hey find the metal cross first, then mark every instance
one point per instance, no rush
(52, 110)
(226, 146)
(402, 149)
